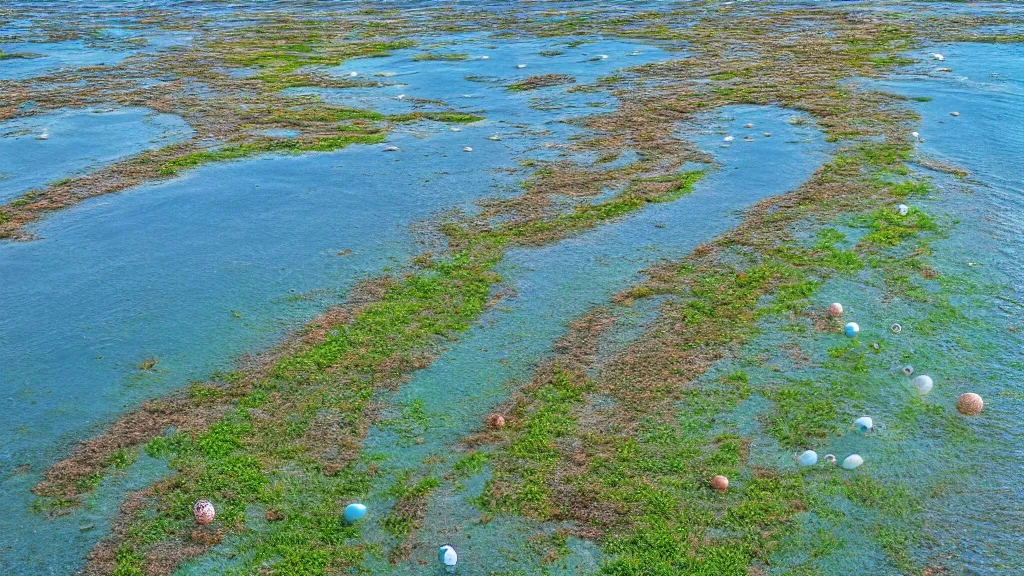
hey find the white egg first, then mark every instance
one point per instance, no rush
(923, 384)
(852, 461)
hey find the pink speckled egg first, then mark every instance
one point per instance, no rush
(835, 310)
(720, 483)
(203, 512)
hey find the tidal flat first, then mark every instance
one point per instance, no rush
(546, 282)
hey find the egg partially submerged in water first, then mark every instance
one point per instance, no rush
(970, 404)
(448, 557)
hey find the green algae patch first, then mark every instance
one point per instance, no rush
(285, 146)
(640, 192)
(450, 117)
(534, 448)
(433, 57)
(18, 55)
(544, 81)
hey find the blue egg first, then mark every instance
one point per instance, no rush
(852, 329)
(354, 512)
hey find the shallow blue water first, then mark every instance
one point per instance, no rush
(196, 271)
(54, 56)
(77, 141)
(105, 49)
(527, 119)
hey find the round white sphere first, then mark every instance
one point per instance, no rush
(923, 384)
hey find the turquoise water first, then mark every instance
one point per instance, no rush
(195, 272)
(972, 499)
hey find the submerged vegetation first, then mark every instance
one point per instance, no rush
(617, 450)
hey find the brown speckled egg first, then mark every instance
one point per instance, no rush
(970, 404)
(496, 421)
